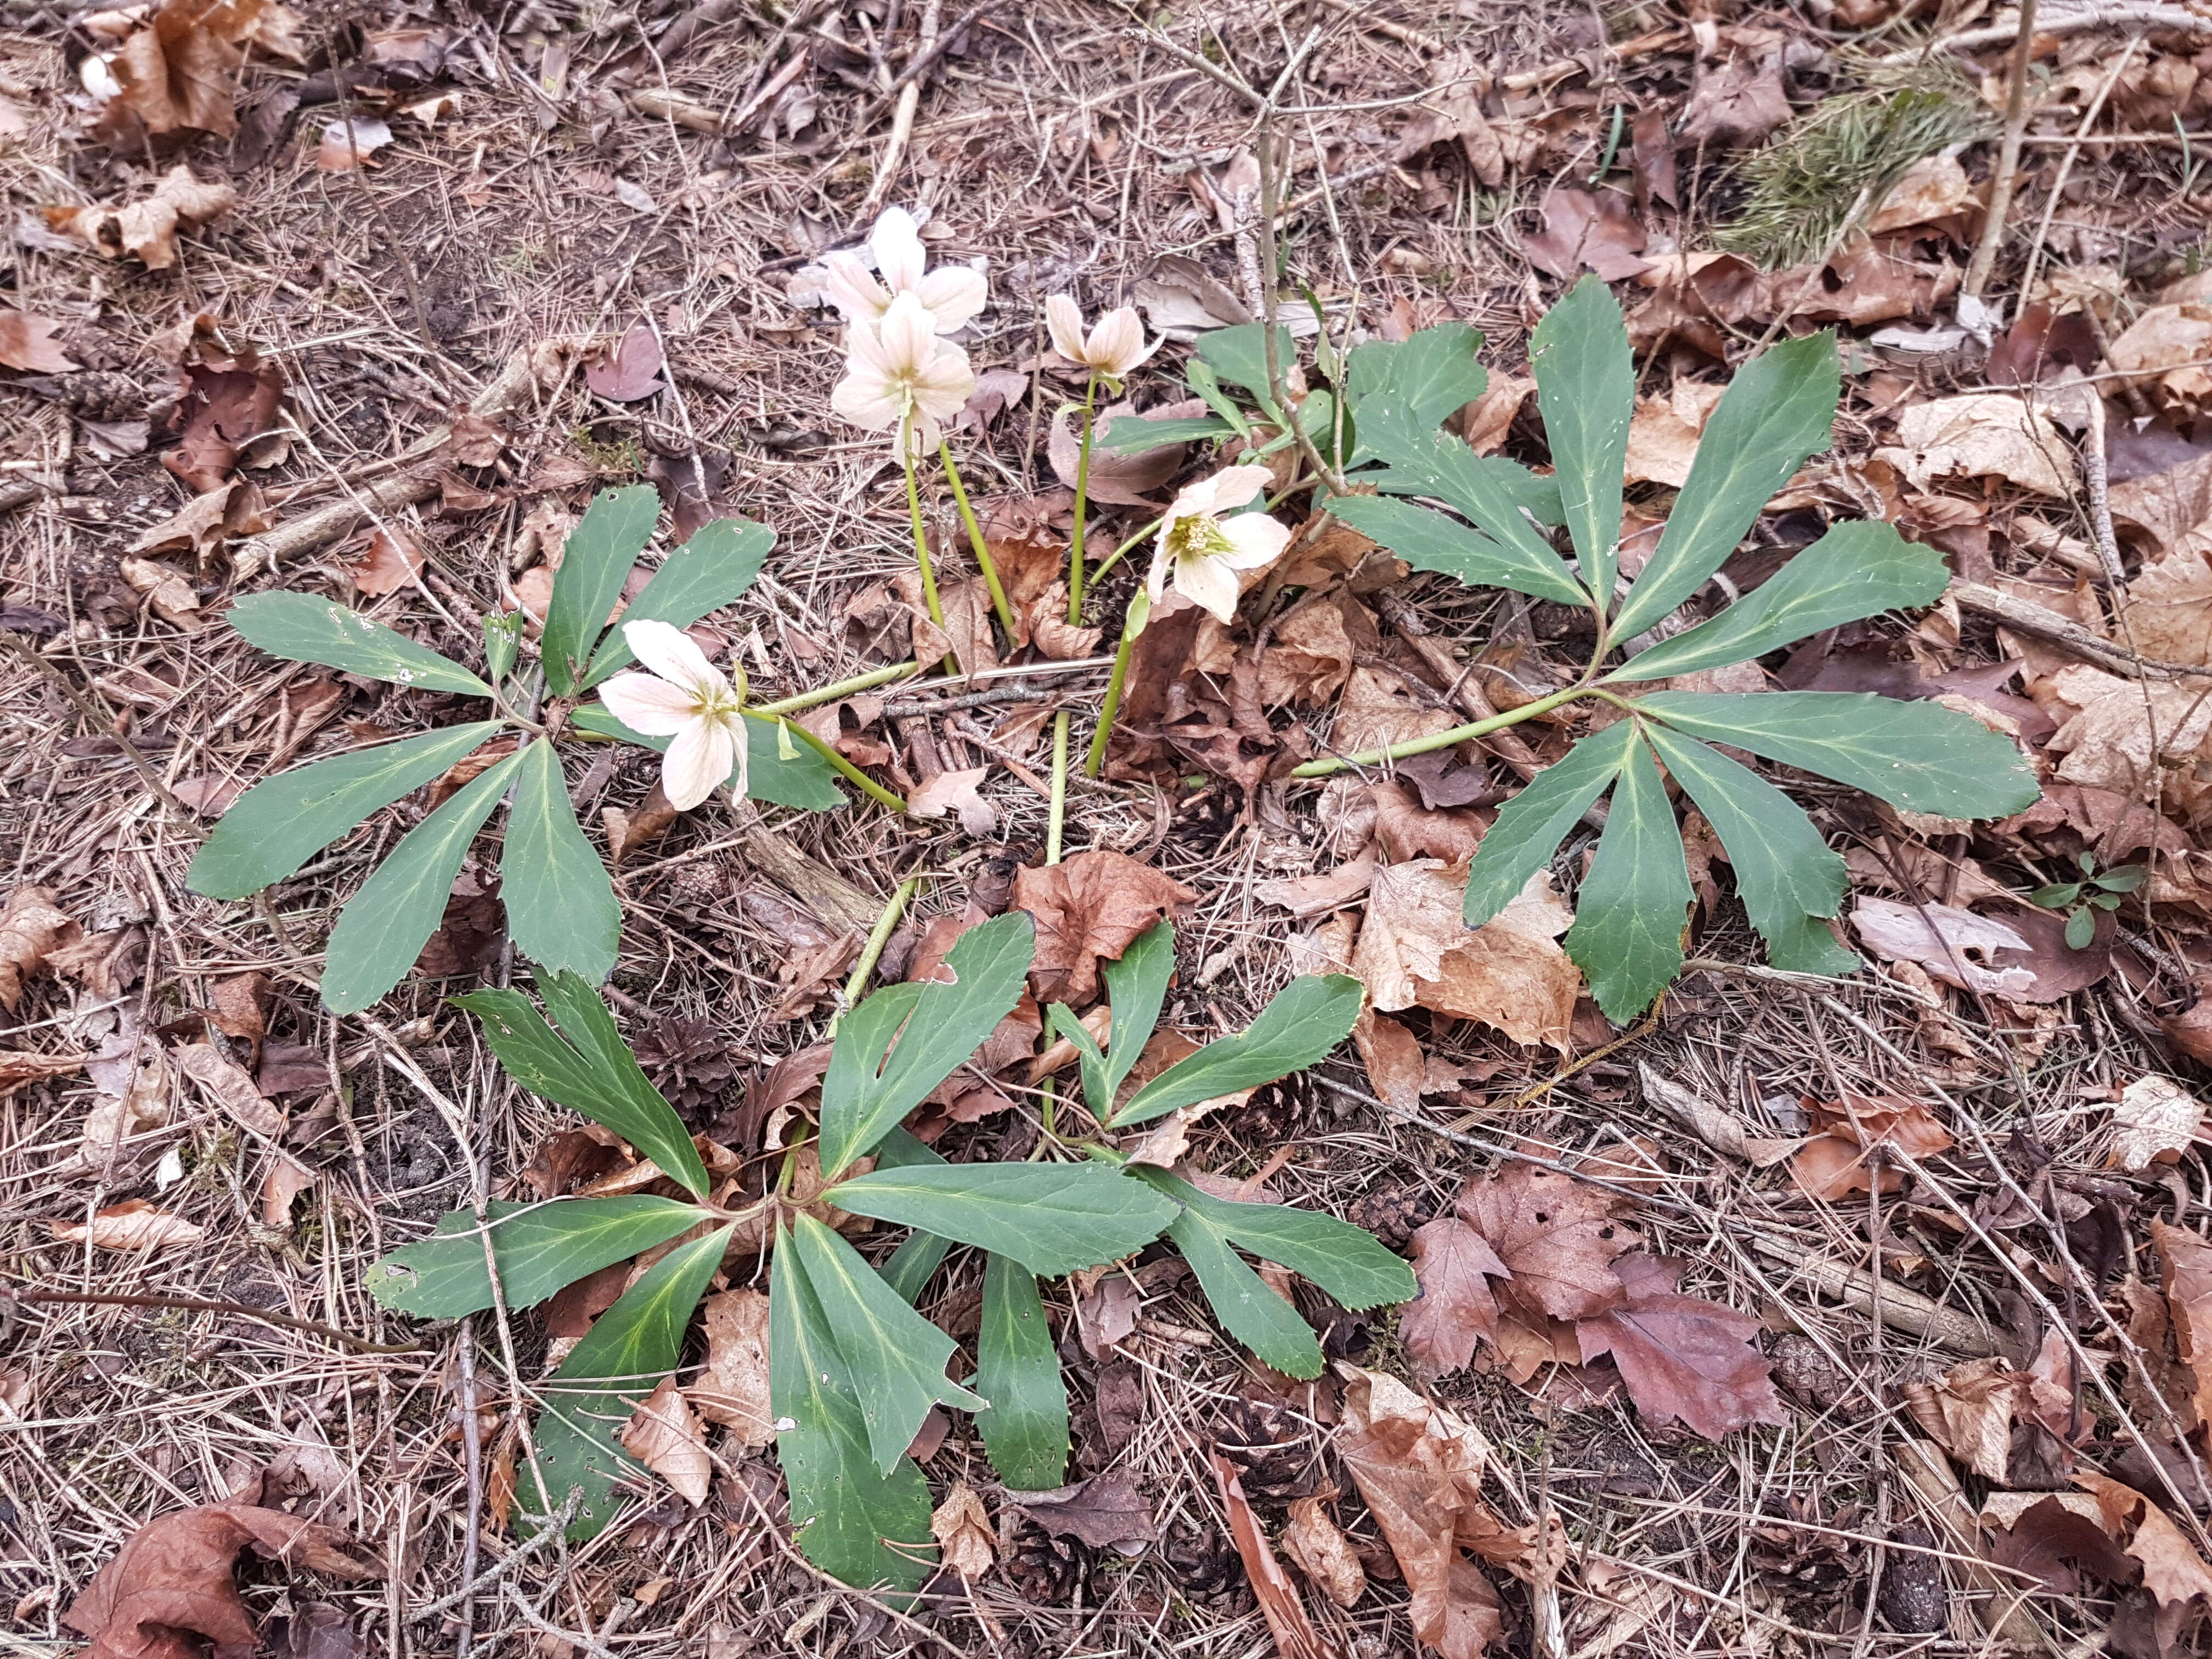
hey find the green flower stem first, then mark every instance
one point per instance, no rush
(880, 936)
(1082, 502)
(869, 681)
(844, 769)
(1151, 527)
(1059, 817)
(975, 540)
(1096, 761)
(920, 537)
(1321, 769)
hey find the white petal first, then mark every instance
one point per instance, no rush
(1156, 579)
(1254, 539)
(942, 389)
(674, 655)
(695, 763)
(1064, 322)
(1233, 486)
(1209, 582)
(741, 746)
(896, 243)
(868, 401)
(849, 287)
(952, 294)
(909, 334)
(1117, 345)
(648, 705)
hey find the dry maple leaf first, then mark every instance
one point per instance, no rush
(27, 343)
(962, 1528)
(664, 1435)
(1739, 102)
(133, 1224)
(1511, 973)
(1557, 1237)
(170, 1586)
(954, 793)
(1454, 1265)
(734, 1389)
(1582, 231)
(1683, 1358)
(1090, 906)
(2173, 1570)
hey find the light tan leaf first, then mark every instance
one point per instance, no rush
(1936, 187)
(147, 228)
(31, 927)
(18, 1067)
(1949, 943)
(166, 590)
(1322, 1553)
(954, 793)
(133, 1224)
(27, 343)
(962, 1528)
(2186, 1276)
(285, 1181)
(1378, 710)
(1662, 437)
(733, 1389)
(2168, 344)
(1414, 950)
(390, 562)
(664, 1435)
(2156, 1119)
(1125, 479)
(1978, 435)
(229, 1088)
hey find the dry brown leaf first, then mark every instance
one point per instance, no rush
(390, 562)
(1739, 102)
(1105, 1512)
(2185, 1277)
(1420, 1468)
(1557, 1237)
(954, 793)
(31, 929)
(2140, 739)
(27, 343)
(238, 1006)
(1392, 1054)
(148, 228)
(1969, 1411)
(229, 1088)
(350, 144)
(169, 1589)
(1933, 189)
(630, 372)
(2173, 1570)
(166, 590)
(1489, 417)
(1322, 1553)
(1511, 973)
(1055, 637)
(208, 520)
(285, 1181)
(1309, 658)
(1981, 435)
(1377, 710)
(1454, 1265)
(1949, 943)
(1585, 231)
(2168, 344)
(1719, 1128)
(1287, 1621)
(639, 825)
(733, 1389)
(19, 1067)
(2155, 1120)
(1683, 1358)
(664, 1435)
(1844, 1158)
(1662, 437)
(225, 415)
(1317, 894)
(1124, 479)
(962, 1528)
(1092, 905)
(1408, 829)
(133, 1224)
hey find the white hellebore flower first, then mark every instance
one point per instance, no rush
(950, 293)
(685, 697)
(1116, 345)
(1203, 550)
(899, 368)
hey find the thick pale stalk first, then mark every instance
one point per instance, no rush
(844, 769)
(1082, 502)
(879, 936)
(920, 536)
(1059, 816)
(1096, 761)
(867, 681)
(1321, 769)
(982, 548)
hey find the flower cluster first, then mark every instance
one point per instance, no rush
(900, 372)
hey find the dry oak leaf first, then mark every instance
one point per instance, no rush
(1419, 1469)
(147, 228)
(1415, 951)
(208, 520)
(1683, 1358)
(178, 70)
(2170, 609)
(1287, 1621)
(733, 1389)
(664, 1435)
(133, 1224)
(226, 414)
(962, 1528)
(169, 1589)
(2155, 1121)
(1556, 1235)
(27, 343)
(1982, 434)
(1092, 905)
(2172, 1570)
(1454, 1265)
(1321, 1552)
(1739, 102)
(31, 929)
(2186, 1276)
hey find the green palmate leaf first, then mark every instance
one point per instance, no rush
(1918, 755)
(1786, 875)
(586, 1067)
(1536, 494)
(863, 1095)
(540, 1246)
(1017, 1369)
(1434, 374)
(1855, 570)
(1135, 434)
(802, 779)
(1630, 912)
(910, 1267)
(1051, 1218)
(628, 1349)
(301, 628)
(1586, 387)
(560, 908)
(385, 926)
(1427, 540)
(714, 567)
(1776, 412)
(1088, 1054)
(863, 1527)
(277, 825)
(1531, 826)
(1136, 986)
(1347, 1261)
(1246, 1304)
(597, 561)
(894, 1356)
(1239, 356)
(1308, 1017)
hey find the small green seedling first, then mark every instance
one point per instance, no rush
(2097, 890)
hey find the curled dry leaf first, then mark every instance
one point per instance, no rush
(2154, 1121)
(285, 1181)
(35, 933)
(1982, 434)
(664, 1435)
(228, 413)
(1511, 973)
(1124, 479)
(148, 228)
(1092, 906)
(350, 144)
(1951, 945)
(2186, 1276)
(133, 1224)
(390, 562)
(1845, 1157)
(1287, 1622)
(1321, 1552)
(962, 1528)
(27, 343)
(954, 793)
(733, 1389)
(2168, 344)
(208, 520)
(19, 1067)
(229, 1088)
(166, 590)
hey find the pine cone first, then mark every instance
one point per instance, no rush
(1206, 1565)
(1046, 1570)
(687, 1061)
(1273, 1455)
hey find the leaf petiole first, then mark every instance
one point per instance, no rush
(1482, 728)
(844, 769)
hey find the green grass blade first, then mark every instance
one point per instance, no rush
(560, 908)
(1586, 387)
(719, 562)
(1630, 912)
(540, 1246)
(301, 628)
(594, 565)
(1025, 1427)
(1531, 826)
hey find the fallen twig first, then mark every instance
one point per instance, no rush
(2030, 618)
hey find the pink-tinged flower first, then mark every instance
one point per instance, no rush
(685, 697)
(1115, 346)
(898, 368)
(950, 293)
(1203, 551)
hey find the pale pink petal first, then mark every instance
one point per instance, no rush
(741, 747)
(868, 401)
(1193, 500)
(648, 705)
(1156, 579)
(695, 763)
(1254, 539)
(942, 389)
(674, 655)
(1064, 322)
(896, 243)
(1117, 345)
(1209, 582)
(849, 287)
(1233, 486)
(952, 294)
(909, 334)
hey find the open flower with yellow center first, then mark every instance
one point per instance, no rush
(686, 698)
(898, 370)
(950, 293)
(1114, 347)
(1203, 551)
